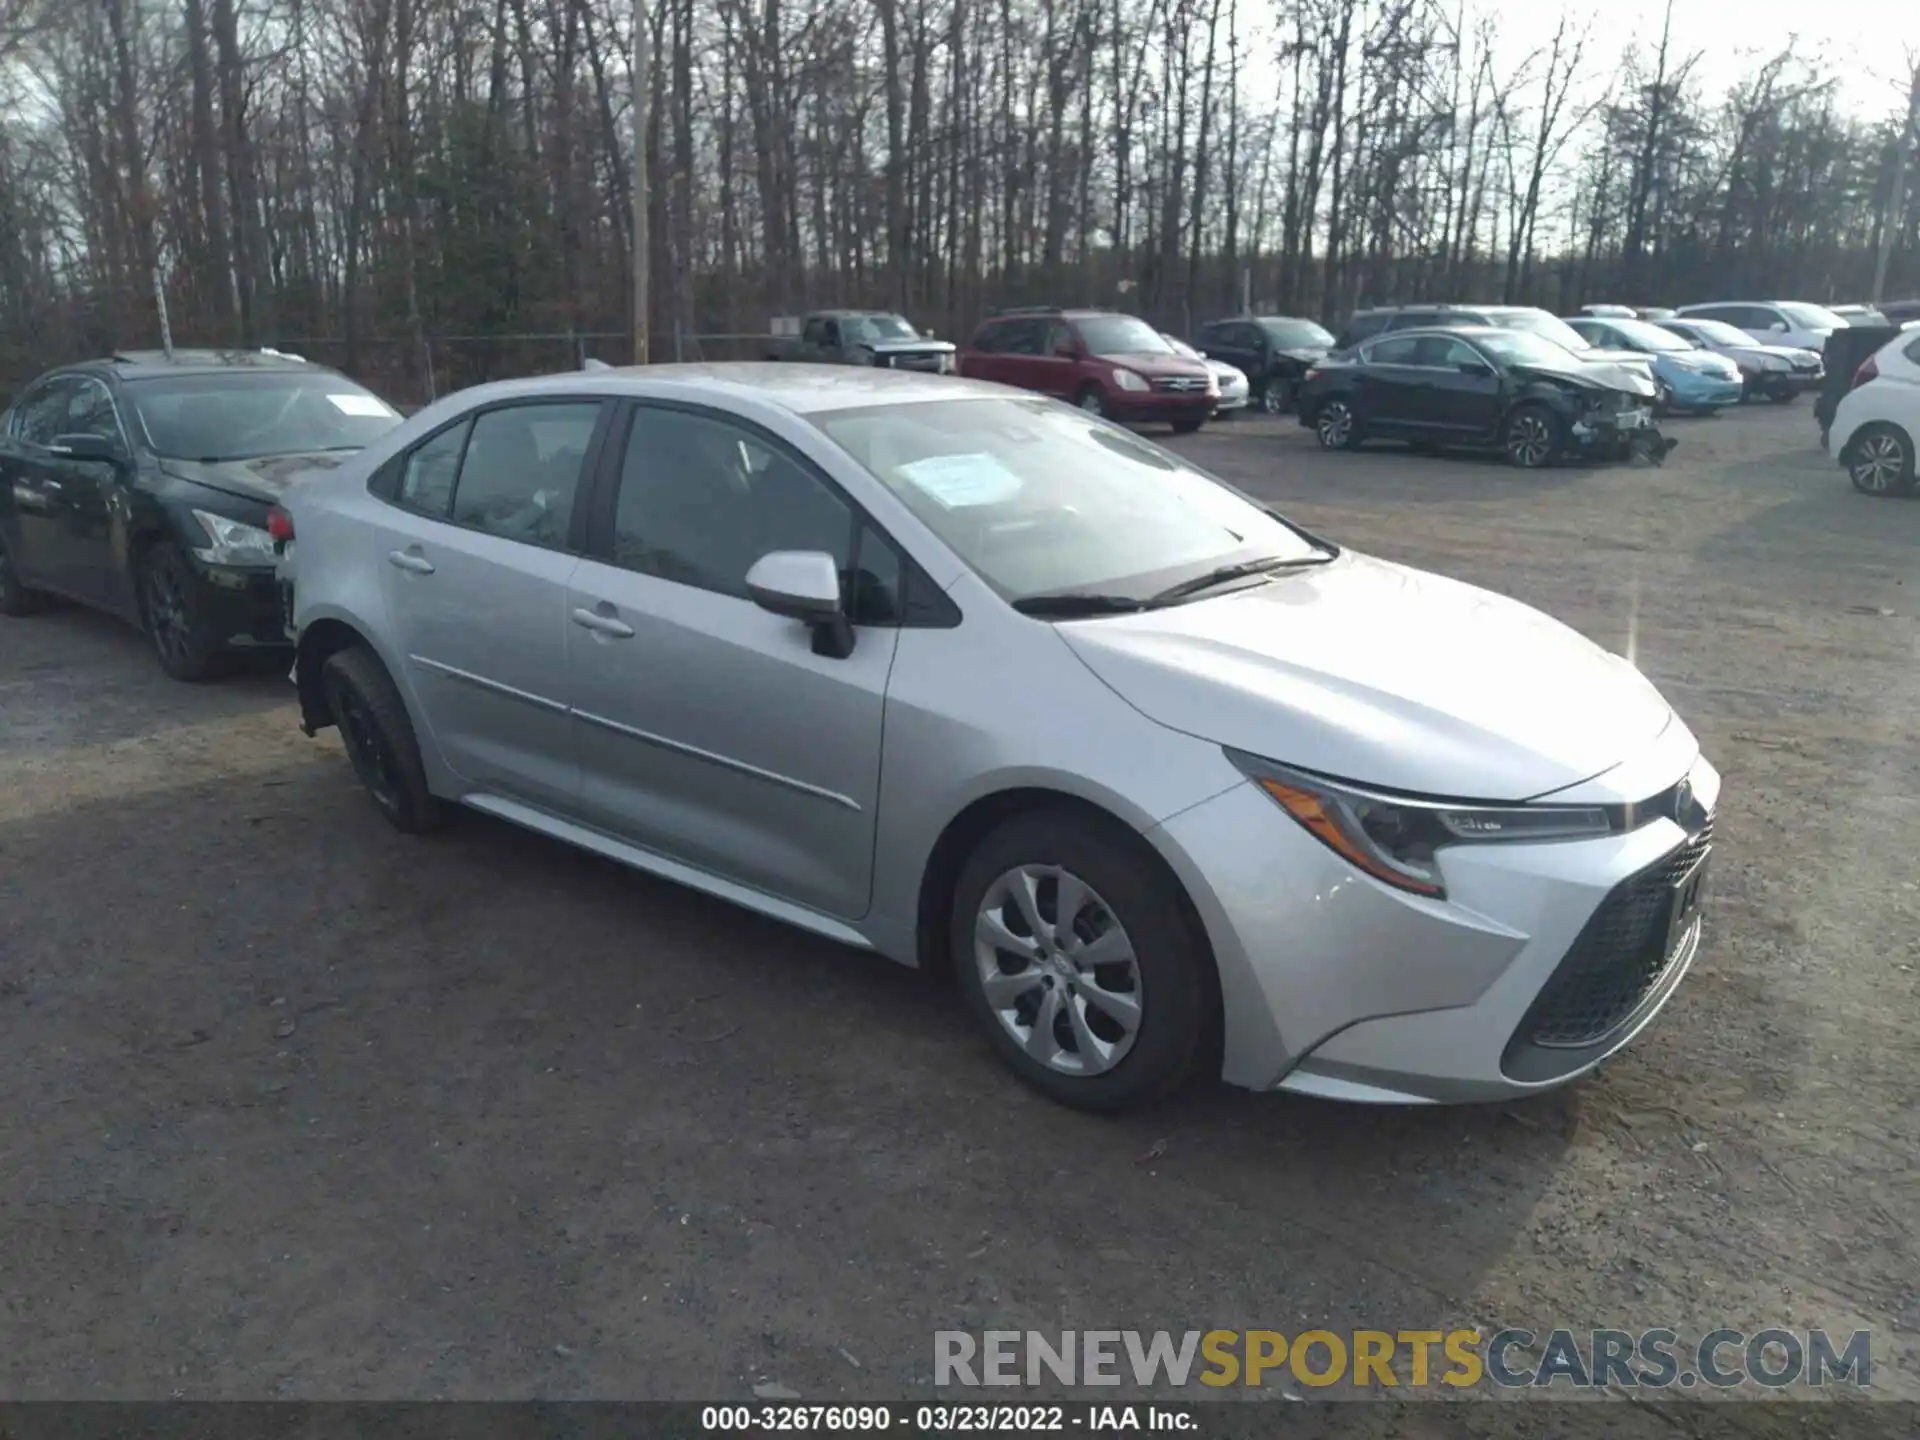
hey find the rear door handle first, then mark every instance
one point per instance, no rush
(411, 561)
(602, 624)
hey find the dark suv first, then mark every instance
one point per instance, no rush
(1273, 351)
(140, 485)
(1107, 363)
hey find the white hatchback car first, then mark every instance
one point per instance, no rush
(969, 677)
(1876, 426)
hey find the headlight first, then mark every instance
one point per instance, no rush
(1127, 380)
(232, 543)
(1396, 839)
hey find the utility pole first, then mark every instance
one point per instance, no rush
(1897, 197)
(642, 243)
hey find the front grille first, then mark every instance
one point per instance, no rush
(1181, 384)
(1618, 958)
(916, 362)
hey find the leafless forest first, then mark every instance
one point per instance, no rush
(384, 181)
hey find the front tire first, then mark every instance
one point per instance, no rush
(1185, 427)
(175, 615)
(378, 735)
(1336, 426)
(1075, 955)
(1273, 395)
(1532, 437)
(1880, 461)
(16, 599)
(1092, 400)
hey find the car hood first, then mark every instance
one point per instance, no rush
(910, 347)
(1148, 363)
(1383, 675)
(264, 478)
(1598, 374)
(1599, 355)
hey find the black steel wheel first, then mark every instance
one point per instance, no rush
(175, 617)
(378, 736)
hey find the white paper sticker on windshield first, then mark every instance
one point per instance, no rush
(360, 405)
(956, 481)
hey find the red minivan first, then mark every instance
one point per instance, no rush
(1111, 364)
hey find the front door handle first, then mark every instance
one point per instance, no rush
(601, 624)
(412, 561)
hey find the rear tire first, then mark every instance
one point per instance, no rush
(1533, 436)
(176, 621)
(379, 739)
(1105, 1009)
(1336, 426)
(1880, 461)
(16, 599)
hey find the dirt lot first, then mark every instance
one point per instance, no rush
(296, 1106)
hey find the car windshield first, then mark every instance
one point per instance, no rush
(1181, 348)
(1650, 337)
(1518, 347)
(1040, 499)
(879, 327)
(1538, 322)
(1121, 335)
(234, 415)
(1812, 317)
(1718, 332)
(1297, 334)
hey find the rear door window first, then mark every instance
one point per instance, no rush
(521, 471)
(1396, 350)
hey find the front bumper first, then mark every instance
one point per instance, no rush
(1149, 408)
(242, 603)
(1704, 392)
(1236, 399)
(1336, 985)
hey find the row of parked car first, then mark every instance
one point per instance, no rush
(754, 629)
(1513, 378)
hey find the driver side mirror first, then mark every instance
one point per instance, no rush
(1778, 327)
(804, 585)
(1066, 350)
(1476, 368)
(85, 447)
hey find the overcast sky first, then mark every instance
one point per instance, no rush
(1864, 41)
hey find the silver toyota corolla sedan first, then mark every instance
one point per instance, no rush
(970, 678)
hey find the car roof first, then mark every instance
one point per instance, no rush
(149, 364)
(849, 314)
(799, 389)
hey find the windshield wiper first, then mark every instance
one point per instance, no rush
(1066, 607)
(1222, 574)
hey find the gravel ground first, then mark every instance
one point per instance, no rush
(298, 1107)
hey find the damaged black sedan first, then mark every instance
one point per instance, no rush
(1482, 388)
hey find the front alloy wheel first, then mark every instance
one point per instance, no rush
(1530, 439)
(1273, 397)
(1058, 970)
(1881, 463)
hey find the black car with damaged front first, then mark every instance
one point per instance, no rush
(1482, 388)
(140, 485)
